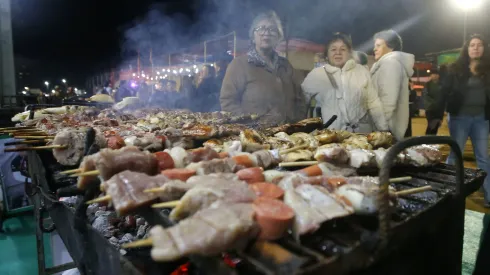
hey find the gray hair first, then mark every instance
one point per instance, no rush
(271, 16)
(391, 38)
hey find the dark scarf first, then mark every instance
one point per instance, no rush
(257, 60)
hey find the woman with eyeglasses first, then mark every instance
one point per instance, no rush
(262, 82)
(343, 88)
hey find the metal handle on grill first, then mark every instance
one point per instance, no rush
(383, 201)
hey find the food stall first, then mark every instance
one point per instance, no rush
(412, 223)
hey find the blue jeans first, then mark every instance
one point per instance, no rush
(477, 129)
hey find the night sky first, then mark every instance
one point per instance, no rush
(77, 38)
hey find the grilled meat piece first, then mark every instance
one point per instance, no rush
(110, 162)
(126, 190)
(213, 166)
(380, 139)
(333, 153)
(304, 138)
(209, 232)
(252, 141)
(75, 142)
(200, 154)
(279, 143)
(362, 158)
(326, 136)
(357, 142)
(266, 159)
(298, 155)
(203, 196)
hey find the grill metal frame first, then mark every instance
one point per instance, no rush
(365, 253)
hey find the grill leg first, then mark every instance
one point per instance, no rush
(39, 237)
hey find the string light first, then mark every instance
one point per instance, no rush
(134, 74)
(158, 72)
(181, 69)
(143, 75)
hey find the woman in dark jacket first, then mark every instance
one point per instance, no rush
(466, 92)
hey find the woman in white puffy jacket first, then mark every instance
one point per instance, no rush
(344, 88)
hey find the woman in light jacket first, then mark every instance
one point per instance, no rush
(343, 88)
(390, 75)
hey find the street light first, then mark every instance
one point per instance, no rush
(63, 80)
(46, 83)
(53, 91)
(26, 88)
(466, 5)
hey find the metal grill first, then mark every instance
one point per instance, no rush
(352, 244)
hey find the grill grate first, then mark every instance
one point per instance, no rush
(338, 246)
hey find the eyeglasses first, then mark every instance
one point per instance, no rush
(262, 30)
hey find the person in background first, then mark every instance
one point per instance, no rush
(361, 58)
(171, 86)
(390, 75)
(343, 88)
(160, 98)
(207, 91)
(412, 107)
(220, 66)
(123, 91)
(142, 91)
(262, 82)
(187, 91)
(466, 95)
(432, 95)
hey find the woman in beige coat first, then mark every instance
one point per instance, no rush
(262, 82)
(343, 88)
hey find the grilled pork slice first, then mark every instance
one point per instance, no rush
(209, 232)
(110, 162)
(74, 139)
(213, 166)
(126, 190)
(362, 193)
(362, 158)
(333, 153)
(204, 195)
(326, 136)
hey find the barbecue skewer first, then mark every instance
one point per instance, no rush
(32, 133)
(149, 241)
(172, 204)
(35, 148)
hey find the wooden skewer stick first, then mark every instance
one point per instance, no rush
(17, 149)
(153, 190)
(139, 243)
(287, 151)
(33, 137)
(168, 204)
(88, 173)
(400, 179)
(78, 170)
(17, 128)
(105, 198)
(413, 191)
(36, 133)
(297, 163)
(19, 131)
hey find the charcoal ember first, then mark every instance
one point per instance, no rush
(142, 231)
(114, 241)
(127, 238)
(115, 221)
(130, 222)
(102, 223)
(140, 221)
(92, 209)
